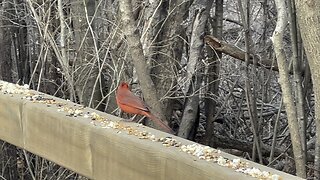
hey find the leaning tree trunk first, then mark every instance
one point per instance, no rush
(138, 58)
(288, 101)
(309, 23)
(200, 10)
(149, 36)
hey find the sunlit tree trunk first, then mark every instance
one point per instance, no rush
(309, 22)
(288, 100)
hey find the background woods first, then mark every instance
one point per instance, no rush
(229, 74)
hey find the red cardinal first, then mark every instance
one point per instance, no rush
(132, 104)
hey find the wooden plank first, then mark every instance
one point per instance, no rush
(89, 147)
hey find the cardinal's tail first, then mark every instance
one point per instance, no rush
(159, 122)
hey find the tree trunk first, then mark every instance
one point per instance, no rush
(213, 75)
(297, 76)
(86, 61)
(191, 108)
(5, 42)
(250, 89)
(309, 23)
(200, 10)
(138, 58)
(21, 45)
(169, 48)
(288, 101)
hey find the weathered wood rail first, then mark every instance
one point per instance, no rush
(98, 146)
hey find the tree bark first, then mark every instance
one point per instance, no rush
(138, 58)
(169, 49)
(250, 90)
(86, 61)
(297, 76)
(191, 109)
(158, 68)
(5, 42)
(213, 75)
(162, 42)
(21, 52)
(288, 101)
(309, 22)
(200, 11)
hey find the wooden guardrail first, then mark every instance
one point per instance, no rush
(101, 146)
